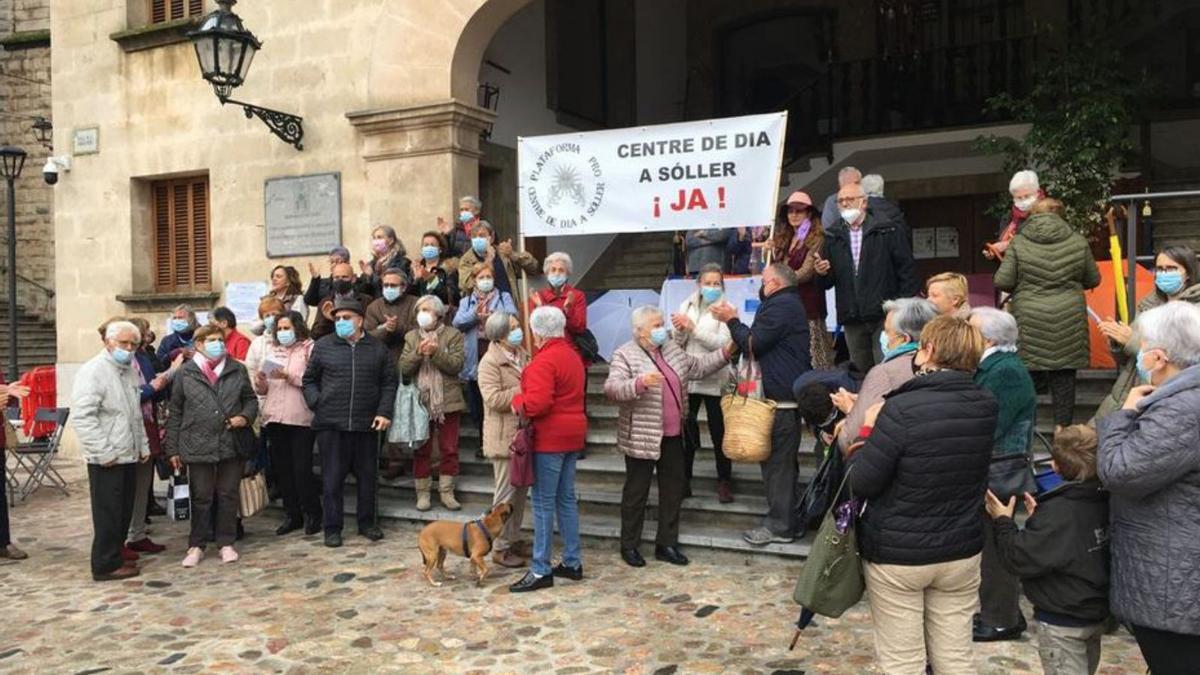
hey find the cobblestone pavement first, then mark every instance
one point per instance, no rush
(291, 605)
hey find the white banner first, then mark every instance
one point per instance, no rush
(713, 174)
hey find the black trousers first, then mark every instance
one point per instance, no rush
(1168, 653)
(214, 486)
(716, 430)
(475, 404)
(112, 489)
(779, 474)
(1061, 385)
(638, 473)
(292, 456)
(343, 452)
(999, 591)
(5, 535)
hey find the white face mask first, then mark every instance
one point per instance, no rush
(425, 320)
(1023, 205)
(851, 216)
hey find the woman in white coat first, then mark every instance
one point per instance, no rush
(700, 333)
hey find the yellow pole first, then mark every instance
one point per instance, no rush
(1114, 247)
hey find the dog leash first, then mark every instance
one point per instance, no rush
(466, 541)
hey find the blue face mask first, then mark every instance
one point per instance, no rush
(391, 293)
(269, 322)
(1143, 374)
(515, 337)
(465, 216)
(1169, 282)
(557, 280)
(122, 356)
(180, 325)
(286, 337)
(214, 348)
(344, 328)
(659, 336)
(480, 245)
(430, 252)
(711, 294)
(485, 285)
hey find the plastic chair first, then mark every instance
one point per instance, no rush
(36, 457)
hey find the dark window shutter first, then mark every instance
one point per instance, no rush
(182, 248)
(158, 11)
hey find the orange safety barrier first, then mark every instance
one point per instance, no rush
(1103, 301)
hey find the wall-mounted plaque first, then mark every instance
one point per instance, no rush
(304, 214)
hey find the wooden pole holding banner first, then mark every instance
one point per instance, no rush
(525, 295)
(775, 202)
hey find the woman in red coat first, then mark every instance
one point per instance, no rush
(562, 295)
(553, 387)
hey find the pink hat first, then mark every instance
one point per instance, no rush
(799, 197)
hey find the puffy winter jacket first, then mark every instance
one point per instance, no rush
(106, 412)
(348, 384)
(779, 340)
(198, 412)
(885, 268)
(1149, 460)
(923, 471)
(1047, 268)
(640, 414)
(1062, 554)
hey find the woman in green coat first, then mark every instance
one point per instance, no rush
(1047, 268)
(1175, 278)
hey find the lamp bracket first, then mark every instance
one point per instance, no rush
(289, 128)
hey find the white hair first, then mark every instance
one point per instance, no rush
(1022, 179)
(643, 314)
(909, 315)
(997, 327)
(497, 327)
(116, 328)
(548, 322)
(848, 175)
(1173, 328)
(472, 200)
(558, 256)
(433, 303)
(872, 184)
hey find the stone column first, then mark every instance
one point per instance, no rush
(420, 160)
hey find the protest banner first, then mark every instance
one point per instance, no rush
(717, 173)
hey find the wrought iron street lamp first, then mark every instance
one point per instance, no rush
(225, 50)
(43, 132)
(12, 160)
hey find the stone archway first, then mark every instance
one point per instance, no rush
(420, 131)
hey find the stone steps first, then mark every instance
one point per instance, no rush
(36, 339)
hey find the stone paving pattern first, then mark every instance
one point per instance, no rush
(293, 606)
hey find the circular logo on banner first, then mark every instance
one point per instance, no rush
(565, 188)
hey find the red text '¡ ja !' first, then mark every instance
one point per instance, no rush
(689, 200)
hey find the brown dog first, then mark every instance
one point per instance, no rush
(472, 540)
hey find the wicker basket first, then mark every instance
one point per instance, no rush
(748, 423)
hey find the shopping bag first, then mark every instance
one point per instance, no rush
(252, 495)
(410, 419)
(179, 500)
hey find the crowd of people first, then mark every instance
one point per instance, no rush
(934, 414)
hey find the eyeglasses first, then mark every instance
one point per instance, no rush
(849, 201)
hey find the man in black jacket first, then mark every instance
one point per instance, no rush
(868, 260)
(350, 385)
(341, 289)
(778, 341)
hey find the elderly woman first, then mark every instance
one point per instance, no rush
(434, 353)
(921, 471)
(699, 333)
(562, 295)
(180, 340)
(1047, 268)
(1149, 460)
(1002, 373)
(506, 261)
(458, 233)
(500, 382)
(287, 422)
(473, 312)
(386, 252)
(647, 378)
(799, 237)
(1025, 192)
(902, 326)
(434, 274)
(553, 387)
(948, 292)
(1175, 278)
(211, 396)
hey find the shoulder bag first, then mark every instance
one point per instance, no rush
(520, 455)
(410, 419)
(831, 580)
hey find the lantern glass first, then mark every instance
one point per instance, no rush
(12, 160)
(224, 49)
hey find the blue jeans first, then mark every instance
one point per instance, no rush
(554, 492)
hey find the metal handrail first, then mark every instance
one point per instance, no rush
(1131, 224)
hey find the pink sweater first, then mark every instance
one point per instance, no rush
(672, 420)
(283, 401)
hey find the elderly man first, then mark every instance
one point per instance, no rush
(107, 416)
(350, 385)
(778, 341)
(887, 209)
(847, 176)
(869, 261)
(341, 289)
(1002, 372)
(505, 261)
(389, 318)
(1025, 192)
(318, 288)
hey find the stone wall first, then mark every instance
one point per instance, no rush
(25, 94)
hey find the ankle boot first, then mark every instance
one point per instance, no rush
(423, 486)
(446, 491)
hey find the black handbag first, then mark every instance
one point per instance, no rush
(1011, 476)
(588, 348)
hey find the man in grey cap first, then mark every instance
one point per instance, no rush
(350, 385)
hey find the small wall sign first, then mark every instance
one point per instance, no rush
(86, 141)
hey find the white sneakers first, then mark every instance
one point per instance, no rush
(195, 555)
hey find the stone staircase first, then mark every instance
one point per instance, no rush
(632, 261)
(36, 339)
